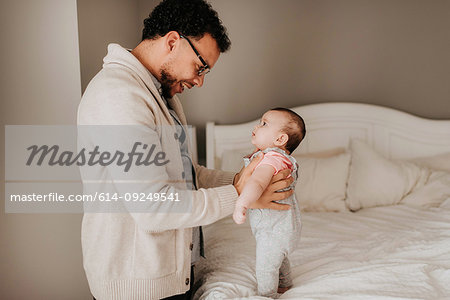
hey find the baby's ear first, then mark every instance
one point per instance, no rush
(281, 140)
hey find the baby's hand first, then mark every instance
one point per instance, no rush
(239, 214)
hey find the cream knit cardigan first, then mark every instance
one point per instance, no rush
(144, 255)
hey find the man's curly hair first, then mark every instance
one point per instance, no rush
(191, 18)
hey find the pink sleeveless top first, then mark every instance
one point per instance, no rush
(277, 160)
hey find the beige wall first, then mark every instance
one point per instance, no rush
(40, 255)
(102, 22)
(293, 52)
(145, 7)
(287, 52)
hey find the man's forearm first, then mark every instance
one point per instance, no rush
(210, 178)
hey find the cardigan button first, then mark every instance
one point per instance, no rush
(183, 175)
(175, 135)
(191, 246)
(187, 281)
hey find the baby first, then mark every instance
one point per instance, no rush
(277, 232)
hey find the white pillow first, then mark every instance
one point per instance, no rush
(436, 191)
(440, 162)
(377, 181)
(322, 154)
(322, 182)
(233, 160)
(433, 193)
(321, 185)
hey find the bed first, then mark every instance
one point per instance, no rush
(374, 188)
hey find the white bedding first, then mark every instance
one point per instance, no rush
(385, 250)
(390, 252)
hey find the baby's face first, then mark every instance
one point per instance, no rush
(266, 133)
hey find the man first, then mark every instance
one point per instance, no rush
(149, 255)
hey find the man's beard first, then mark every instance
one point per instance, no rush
(167, 82)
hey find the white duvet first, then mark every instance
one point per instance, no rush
(391, 252)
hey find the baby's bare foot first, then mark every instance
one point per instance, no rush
(239, 214)
(238, 217)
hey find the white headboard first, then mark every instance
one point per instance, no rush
(393, 133)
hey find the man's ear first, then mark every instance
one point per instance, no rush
(170, 40)
(281, 140)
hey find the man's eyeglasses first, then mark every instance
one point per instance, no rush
(205, 68)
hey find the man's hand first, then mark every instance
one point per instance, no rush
(278, 182)
(244, 174)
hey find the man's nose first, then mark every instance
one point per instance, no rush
(199, 80)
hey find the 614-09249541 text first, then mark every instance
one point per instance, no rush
(91, 169)
(102, 197)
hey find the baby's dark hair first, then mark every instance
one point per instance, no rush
(295, 129)
(191, 18)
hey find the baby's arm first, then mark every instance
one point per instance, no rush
(253, 189)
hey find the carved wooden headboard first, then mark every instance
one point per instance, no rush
(393, 133)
